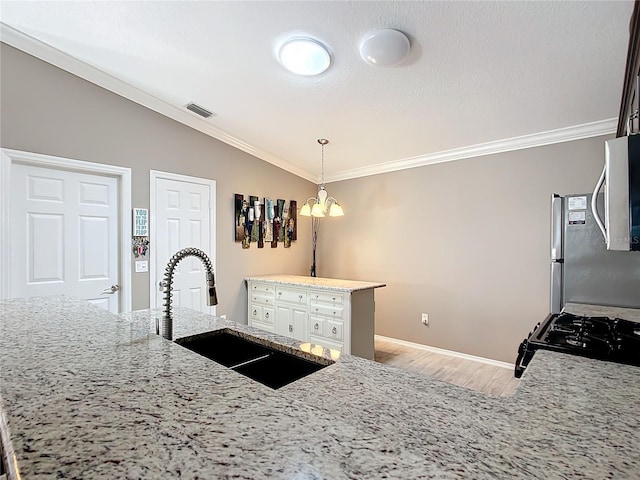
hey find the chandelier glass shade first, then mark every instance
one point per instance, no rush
(322, 205)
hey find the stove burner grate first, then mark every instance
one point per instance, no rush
(615, 340)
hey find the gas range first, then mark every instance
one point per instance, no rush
(615, 340)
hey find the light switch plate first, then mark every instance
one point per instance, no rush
(142, 266)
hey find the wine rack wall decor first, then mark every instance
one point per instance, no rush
(269, 222)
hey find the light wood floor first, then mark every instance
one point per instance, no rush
(490, 379)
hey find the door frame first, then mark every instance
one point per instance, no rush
(154, 176)
(8, 157)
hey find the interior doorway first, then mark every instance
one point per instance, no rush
(65, 229)
(182, 215)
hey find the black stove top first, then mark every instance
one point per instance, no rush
(581, 333)
(616, 340)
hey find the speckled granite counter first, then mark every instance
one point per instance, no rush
(87, 394)
(632, 314)
(319, 282)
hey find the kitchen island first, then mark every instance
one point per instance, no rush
(87, 394)
(336, 313)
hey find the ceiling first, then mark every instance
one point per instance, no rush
(480, 77)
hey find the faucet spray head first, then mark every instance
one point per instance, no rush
(212, 297)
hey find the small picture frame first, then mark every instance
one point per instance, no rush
(140, 222)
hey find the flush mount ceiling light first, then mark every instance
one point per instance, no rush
(384, 48)
(304, 56)
(322, 204)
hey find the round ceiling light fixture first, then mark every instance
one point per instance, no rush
(384, 48)
(304, 56)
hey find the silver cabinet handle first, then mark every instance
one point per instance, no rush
(161, 285)
(300, 297)
(266, 315)
(255, 312)
(291, 328)
(316, 326)
(334, 330)
(110, 291)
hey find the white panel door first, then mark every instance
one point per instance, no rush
(292, 322)
(64, 235)
(183, 219)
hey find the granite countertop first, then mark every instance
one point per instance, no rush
(632, 314)
(318, 282)
(87, 394)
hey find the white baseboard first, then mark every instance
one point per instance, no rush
(419, 346)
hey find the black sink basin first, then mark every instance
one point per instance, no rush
(224, 347)
(269, 366)
(278, 369)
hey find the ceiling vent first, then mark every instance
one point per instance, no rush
(197, 109)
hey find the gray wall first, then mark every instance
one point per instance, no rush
(466, 242)
(47, 110)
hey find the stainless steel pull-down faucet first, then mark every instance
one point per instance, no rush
(212, 297)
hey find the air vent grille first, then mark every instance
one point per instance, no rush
(203, 112)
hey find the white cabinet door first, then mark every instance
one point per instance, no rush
(64, 235)
(183, 219)
(300, 322)
(292, 322)
(283, 320)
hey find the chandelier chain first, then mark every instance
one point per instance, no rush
(323, 164)
(322, 142)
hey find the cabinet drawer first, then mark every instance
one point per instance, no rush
(327, 311)
(268, 316)
(260, 299)
(333, 330)
(291, 295)
(328, 298)
(327, 343)
(316, 326)
(255, 313)
(262, 314)
(264, 289)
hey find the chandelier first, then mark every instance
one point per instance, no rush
(322, 205)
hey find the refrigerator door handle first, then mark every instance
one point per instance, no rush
(594, 207)
(557, 300)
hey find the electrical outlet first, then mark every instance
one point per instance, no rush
(425, 318)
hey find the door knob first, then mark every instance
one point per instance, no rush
(111, 290)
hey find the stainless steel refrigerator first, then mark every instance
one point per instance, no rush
(582, 269)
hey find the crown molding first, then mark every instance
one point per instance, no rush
(560, 135)
(64, 61)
